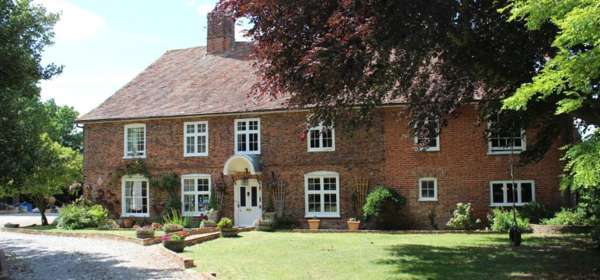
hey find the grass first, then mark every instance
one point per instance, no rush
(120, 232)
(287, 255)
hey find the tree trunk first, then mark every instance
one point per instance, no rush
(42, 203)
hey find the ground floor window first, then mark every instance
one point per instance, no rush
(135, 196)
(195, 194)
(322, 193)
(427, 189)
(505, 193)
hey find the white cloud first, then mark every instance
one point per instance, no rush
(75, 24)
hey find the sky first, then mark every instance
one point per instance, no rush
(104, 44)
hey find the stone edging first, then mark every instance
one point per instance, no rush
(182, 261)
(395, 231)
(3, 267)
(143, 242)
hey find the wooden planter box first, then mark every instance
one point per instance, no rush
(175, 246)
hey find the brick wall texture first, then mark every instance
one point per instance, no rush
(384, 153)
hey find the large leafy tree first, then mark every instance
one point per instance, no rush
(61, 125)
(569, 81)
(25, 30)
(434, 55)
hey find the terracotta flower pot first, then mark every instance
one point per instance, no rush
(313, 224)
(353, 225)
(174, 245)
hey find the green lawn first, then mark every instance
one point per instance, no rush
(120, 232)
(286, 255)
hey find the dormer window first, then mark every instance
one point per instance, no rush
(135, 141)
(247, 136)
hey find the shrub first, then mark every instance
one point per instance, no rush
(462, 217)
(285, 222)
(172, 227)
(596, 236)
(144, 232)
(566, 216)
(207, 224)
(382, 205)
(82, 214)
(225, 223)
(108, 225)
(173, 217)
(501, 220)
(535, 212)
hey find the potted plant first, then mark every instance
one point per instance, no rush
(174, 241)
(170, 228)
(225, 225)
(144, 232)
(353, 224)
(314, 224)
(127, 222)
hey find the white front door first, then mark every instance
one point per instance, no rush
(248, 203)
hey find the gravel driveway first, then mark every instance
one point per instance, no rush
(50, 257)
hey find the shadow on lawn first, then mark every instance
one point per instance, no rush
(28, 262)
(538, 258)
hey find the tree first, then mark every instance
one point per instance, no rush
(435, 55)
(61, 126)
(57, 168)
(25, 30)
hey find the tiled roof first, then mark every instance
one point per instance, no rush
(188, 82)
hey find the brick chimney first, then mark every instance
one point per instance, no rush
(221, 32)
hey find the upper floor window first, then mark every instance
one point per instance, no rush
(247, 136)
(135, 196)
(195, 138)
(505, 141)
(322, 193)
(321, 139)
(195, 194)
(427, 189)
(504, 193)
(135, 141)
(430, 142)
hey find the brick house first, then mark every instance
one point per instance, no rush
(189, 113)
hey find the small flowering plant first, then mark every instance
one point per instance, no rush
(178, 236)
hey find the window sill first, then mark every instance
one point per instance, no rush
(427, 200)
(135, 215)
(195, 155)
(500, 153)
(507, 204)
(247, 153)
(320, 150)
(428, 150)
(134, 157)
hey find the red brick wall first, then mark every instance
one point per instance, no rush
(384, 154)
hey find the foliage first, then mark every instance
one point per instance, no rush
(596, 236)
(144, 232)
(57, 167)
(212, 202)
(170, 184)
(25, 32)
(501, 220)
(285, 222)
(462, 218)
(566, 216)
(534, 211)
(174, 218)
(108, 224)
(82, 214)
(383, 205)
(61, 125)
(225, 223)
(178, 236)
(172, 227)
(334, 56)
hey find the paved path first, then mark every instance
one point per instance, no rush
(50, 257)
(25, 219)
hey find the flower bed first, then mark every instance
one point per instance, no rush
(559, 229)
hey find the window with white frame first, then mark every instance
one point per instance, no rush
(195, 138)
(427, 189)
(430, 142)
(322, 191)
(195, 194)
(135, 196)
(504, 193)
(135, 141)
(505, 142)
(321, 139)
(247, 136)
